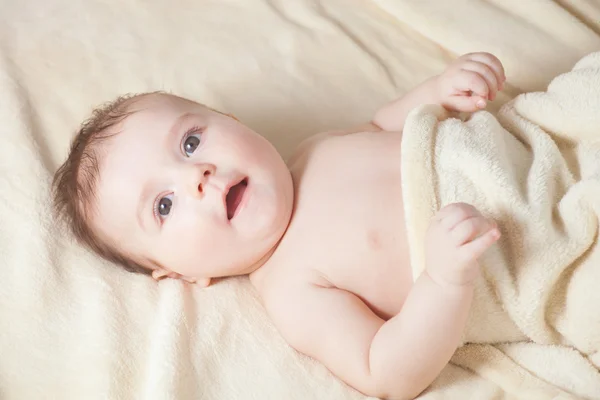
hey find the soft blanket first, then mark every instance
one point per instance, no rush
(75, 327)
(535, 169)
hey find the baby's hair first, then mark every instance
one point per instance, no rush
(75, 180)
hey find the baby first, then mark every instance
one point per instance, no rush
(166, 186)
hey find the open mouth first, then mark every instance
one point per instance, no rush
(234, 197)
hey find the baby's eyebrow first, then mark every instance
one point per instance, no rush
(176, 127)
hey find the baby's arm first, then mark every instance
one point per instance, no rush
(399, 358)
(465, 86)
(396, 359)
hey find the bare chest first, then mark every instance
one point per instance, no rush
(348, 221)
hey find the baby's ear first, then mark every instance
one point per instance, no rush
(202, 282)
(160, 273)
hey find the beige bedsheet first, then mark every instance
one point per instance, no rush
(74, 327)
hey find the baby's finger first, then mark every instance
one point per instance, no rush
(475, 248)
(494, 63)
(453, 214)
(463, 103)
(470, 229)
(487, 73)
(469, 81)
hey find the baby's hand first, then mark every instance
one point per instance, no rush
(456, 237)
(471, 80)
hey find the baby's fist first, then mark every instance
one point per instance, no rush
(470, 81)
(457, 236)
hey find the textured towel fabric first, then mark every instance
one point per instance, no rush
(536, 171)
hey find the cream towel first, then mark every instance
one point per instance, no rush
(536, 170)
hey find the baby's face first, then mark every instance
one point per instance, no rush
(191, 192)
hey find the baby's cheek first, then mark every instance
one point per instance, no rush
(185, 240)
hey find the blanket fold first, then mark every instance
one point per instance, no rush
(535, 169)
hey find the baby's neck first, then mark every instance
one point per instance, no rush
(260, 269)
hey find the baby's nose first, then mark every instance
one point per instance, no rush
(204, 172)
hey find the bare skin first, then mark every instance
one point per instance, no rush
(333, 267)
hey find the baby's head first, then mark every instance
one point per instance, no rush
(163, 185)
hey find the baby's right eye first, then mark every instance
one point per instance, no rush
(163, 206)
(191, 143)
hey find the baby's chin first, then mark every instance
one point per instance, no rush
(265, 215)
(257, 251)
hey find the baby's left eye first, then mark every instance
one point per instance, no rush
(191, 143)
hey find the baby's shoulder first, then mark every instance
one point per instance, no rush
(321, 141)
(310, 145)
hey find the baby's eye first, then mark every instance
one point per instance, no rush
(163, 206)
(191, 143)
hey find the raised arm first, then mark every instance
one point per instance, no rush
(398, 358)
(465, 86)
